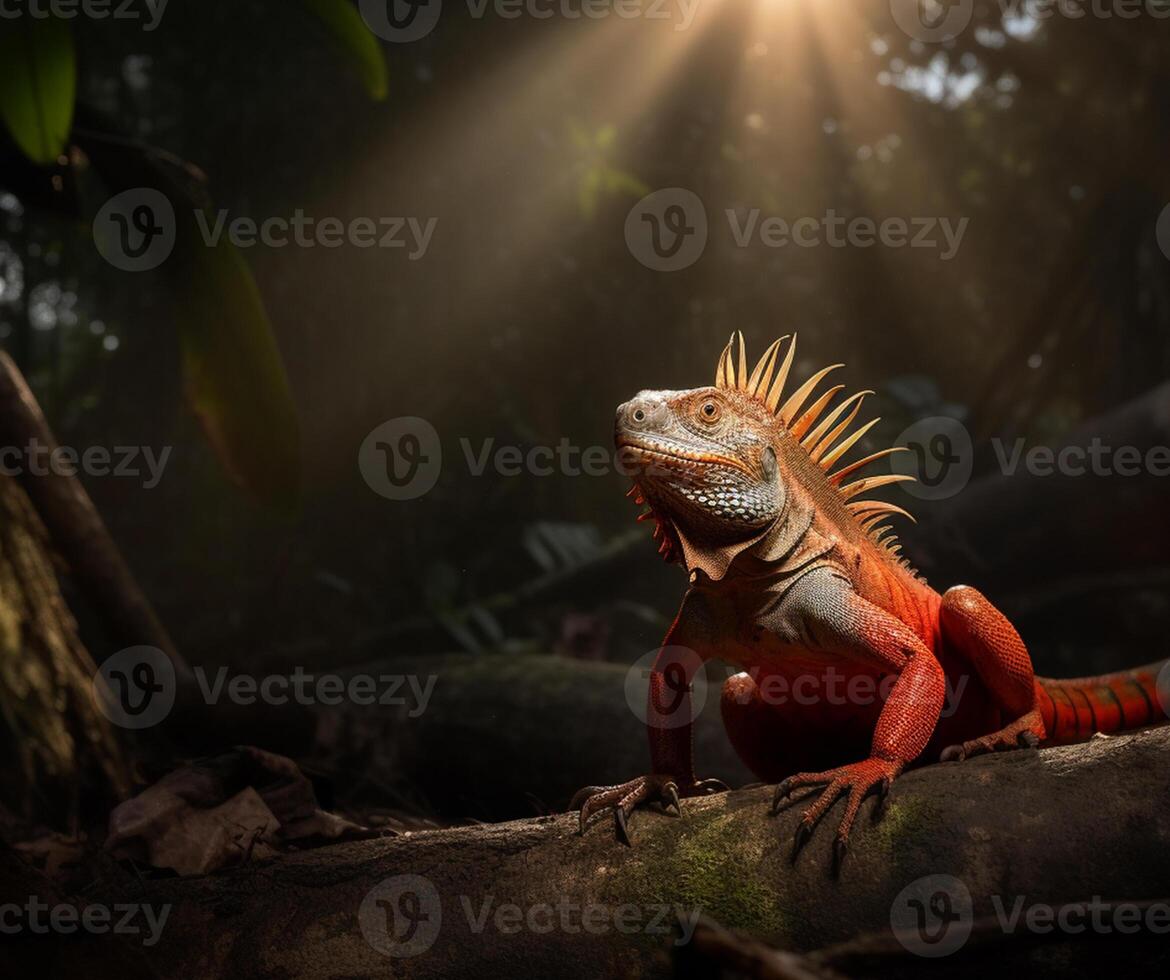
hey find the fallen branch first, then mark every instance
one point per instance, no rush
(532, 898)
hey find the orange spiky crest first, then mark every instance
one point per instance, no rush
(825, 436)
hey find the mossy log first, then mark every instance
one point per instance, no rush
(1056, 826)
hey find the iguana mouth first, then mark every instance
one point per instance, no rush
(676, 454)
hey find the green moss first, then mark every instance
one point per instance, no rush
(900, 831)
(693, 872)
(738, 901)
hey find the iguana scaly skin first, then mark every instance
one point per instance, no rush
(794, 579)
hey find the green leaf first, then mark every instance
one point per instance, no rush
(38, 84)
(350, 31)
(233, 370)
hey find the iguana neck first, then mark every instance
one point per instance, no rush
(787, 543)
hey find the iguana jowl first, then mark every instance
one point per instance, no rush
(793, 577)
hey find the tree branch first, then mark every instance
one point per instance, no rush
(1056, 826)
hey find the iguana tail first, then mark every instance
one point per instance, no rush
(1074, 709)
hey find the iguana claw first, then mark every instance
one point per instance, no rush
(671, 794)
(856, 781)
(625, 797)
(840, 847)
(1023, 733)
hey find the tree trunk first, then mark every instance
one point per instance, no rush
(1057, 826)
(78, 533)
(55, 746)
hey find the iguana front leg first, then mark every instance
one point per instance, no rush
(840, 622)
(669, 728)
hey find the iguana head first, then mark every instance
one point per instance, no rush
(703, 459)
(719, 465)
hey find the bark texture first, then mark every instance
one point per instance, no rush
(1056, 826)
(54, 743)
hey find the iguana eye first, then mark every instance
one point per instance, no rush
(709, 412)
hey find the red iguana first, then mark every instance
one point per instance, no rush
(794, 577)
